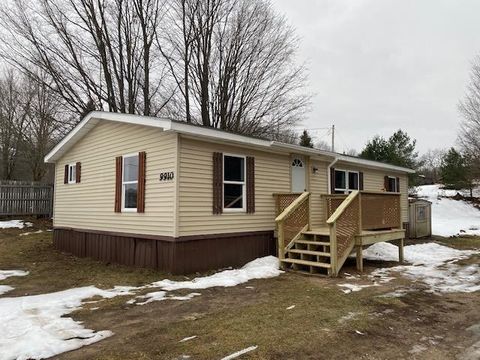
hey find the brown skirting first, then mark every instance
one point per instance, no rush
(183, 255)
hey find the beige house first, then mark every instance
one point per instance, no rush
(154, 192)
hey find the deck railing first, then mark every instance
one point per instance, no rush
(380, 210)
(344, 225)
(292, 221)
(360, 210)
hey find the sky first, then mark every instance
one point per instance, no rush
(379, 65)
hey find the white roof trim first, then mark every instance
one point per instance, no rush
(198, 131)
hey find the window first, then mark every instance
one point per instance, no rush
(130, 182)
(392, 184)
(72, 173)
(346, 181)
(233, 183)
(297, 163)
(421, 213)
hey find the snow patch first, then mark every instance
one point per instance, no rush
(8, 273)
(431, 263)
(34, 326)
(262, 268)
(11, 224)
(354, 287)
(5, 288)
(31, 232)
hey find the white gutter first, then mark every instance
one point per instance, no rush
(329, 176)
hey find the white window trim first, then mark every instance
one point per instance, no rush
(396, 185)
(124, 209)
(347, 188)
(243, 183)
(70, 172)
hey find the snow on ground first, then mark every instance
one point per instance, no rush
(262, 268)
(450, 217)
(31, 232)
(33, 327)
(5, 288)
(431, 263)
(8, 273)
(19, 224)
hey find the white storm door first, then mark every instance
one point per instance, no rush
(298, 174)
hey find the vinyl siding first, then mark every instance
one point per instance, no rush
(90, 204)
(318, 186)
(272, 174)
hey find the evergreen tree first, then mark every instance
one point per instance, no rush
(306, 139)
(454, 170)
(399, 150)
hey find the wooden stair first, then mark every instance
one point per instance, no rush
(310, 253)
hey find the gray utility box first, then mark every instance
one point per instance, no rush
(420, 218)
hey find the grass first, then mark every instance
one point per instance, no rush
(321, 325)
(51, 270)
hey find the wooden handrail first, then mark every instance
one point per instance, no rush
(374, 192)
(342, 207)
(292, 207)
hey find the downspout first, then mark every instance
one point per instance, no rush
(329, 177)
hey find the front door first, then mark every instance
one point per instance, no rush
(298, 174)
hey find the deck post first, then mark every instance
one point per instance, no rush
(400, 250)
(360, 258)
(333, 249)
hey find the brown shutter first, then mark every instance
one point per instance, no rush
(385, 183)
(250, 184)
(142, 157)
(78, 172)
(398, 184)
(65, 176)
(332, 181)
(118, 184)
(217, 183)
(360, 181)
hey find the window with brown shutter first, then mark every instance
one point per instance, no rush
(78, 170)
(217, 183)
(250, 184)
(65, 177)
(142, 157)
(391, 184)
(360, 180)
(398, 184)
(332, 180)
(118, 183)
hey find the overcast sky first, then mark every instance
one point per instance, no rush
(379, 65)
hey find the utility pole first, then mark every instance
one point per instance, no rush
(333, 138)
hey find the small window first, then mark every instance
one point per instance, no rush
(392, 184)
(72, 173)
(233, 183)
(346, 181)
(130, 182)
(421, 213)
(297, 163)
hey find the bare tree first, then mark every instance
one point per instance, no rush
(14, 107)
(99, 53)
(430, 164)
(233, 61)
(46, 122)
(469, 137)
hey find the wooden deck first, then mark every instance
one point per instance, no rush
(353, 222)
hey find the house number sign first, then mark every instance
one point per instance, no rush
(165, 176)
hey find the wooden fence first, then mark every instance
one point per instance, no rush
(25, 198)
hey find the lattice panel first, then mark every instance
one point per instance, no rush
(380, 211)
(294, 223)
(282, 201)
(333, 202)
(348, 225)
